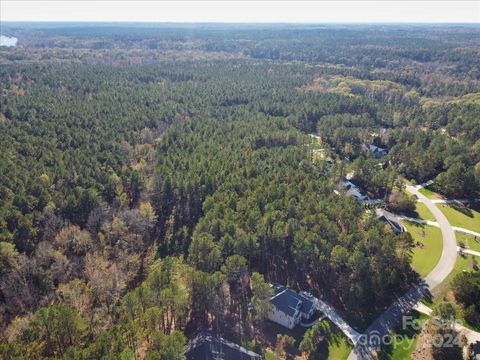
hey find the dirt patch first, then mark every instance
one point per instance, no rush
(423, 350)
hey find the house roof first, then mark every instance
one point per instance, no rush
(307, 304)
(391, 220)
(352, 190)
(288, 301)
(376, 150)
(208, 346)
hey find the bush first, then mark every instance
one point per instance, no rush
(400, 202)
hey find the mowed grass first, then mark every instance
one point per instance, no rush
(425, 258)
(461, 216)
(468, 240)
(423, 212)
(429, 192)
(339, 348)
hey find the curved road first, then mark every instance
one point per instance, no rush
(369, 341)
(449, 252)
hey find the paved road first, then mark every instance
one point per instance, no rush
(310, 324)
(449, 252)
(466, 231)
(369, 341)
(468, 251)
(434, 223)
(330, 312)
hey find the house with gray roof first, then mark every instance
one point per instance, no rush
(350, 189)
(390, 219)
(375, 151)
(289, 307)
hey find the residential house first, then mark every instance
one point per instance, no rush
(392, 220)
(350, 189)
(290, 307)
(374, 150)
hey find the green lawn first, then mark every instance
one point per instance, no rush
(461, 216)
(336, 347)
(469, 241)
(423, 212)
(339, 348)
(424, 259)
(405, 344)
(429, 192)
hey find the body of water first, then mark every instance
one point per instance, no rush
(8, 40)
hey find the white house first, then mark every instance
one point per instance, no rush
(374, 150)
(289, 307)
(350, 189)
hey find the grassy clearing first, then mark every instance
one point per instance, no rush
(425, 258)
(423, 212)
(469, 241)
(462, 216)
(429, 192)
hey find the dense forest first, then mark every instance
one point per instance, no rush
(154, 178)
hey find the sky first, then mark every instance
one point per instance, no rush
(243, 11)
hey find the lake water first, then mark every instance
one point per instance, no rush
(8, 40)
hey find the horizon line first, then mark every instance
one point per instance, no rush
(241, 22)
